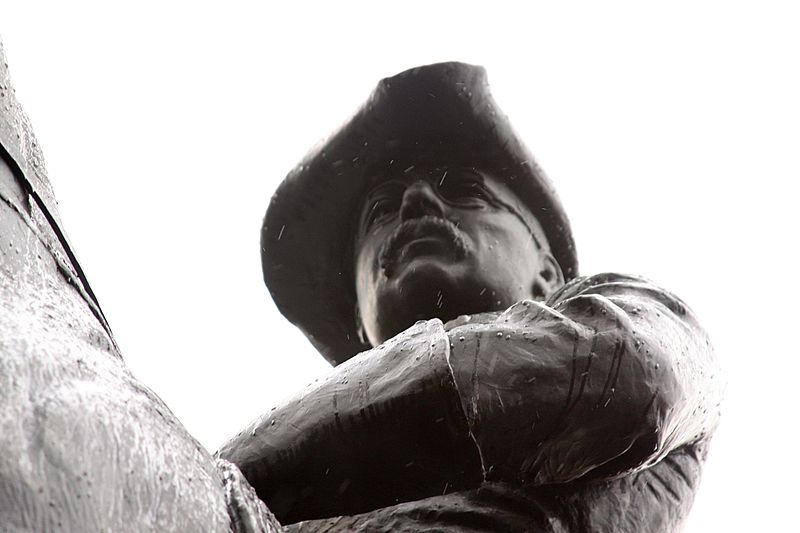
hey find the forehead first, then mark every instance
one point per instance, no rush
(397, 171)
(399, 176)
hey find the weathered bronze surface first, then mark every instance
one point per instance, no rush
(84, 445)
(504, 393)
(555, 403)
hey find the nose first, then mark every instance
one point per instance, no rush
(419, 200)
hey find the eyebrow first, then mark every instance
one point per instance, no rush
(434, 175)
(392, 182)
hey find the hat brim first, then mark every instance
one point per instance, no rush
(441, 113)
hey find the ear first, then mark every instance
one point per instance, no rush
(549, 279)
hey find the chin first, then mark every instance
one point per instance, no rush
(428, 270)
(423, 289)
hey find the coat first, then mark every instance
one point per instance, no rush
(589, 412)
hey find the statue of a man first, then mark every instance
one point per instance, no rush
(515, 403)
(495, 389)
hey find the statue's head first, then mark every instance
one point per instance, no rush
(443, 241)
(425, 204)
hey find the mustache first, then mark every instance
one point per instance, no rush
(416, 228)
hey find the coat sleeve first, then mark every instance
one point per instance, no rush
(383, 427)
(607, 377)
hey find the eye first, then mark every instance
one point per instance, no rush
(463, 188)
(381, 204)
(379, 210)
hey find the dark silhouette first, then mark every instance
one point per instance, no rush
(509, 393)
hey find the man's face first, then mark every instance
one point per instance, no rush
(442, 242)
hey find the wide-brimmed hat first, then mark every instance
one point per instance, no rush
(442, 114)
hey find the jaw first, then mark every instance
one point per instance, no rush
(425, 288)
(432, 249)
(427, 271)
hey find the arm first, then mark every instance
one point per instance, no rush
(611, 375)
(608, 377)
(383, 427)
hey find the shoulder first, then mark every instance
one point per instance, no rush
(615, 284)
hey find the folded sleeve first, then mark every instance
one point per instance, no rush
(383, 427)
(607, 377)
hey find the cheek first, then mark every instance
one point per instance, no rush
(509, 248)
(502, 235)
(366, 273)
(362, 276)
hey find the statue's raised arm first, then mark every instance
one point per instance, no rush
(503, 392)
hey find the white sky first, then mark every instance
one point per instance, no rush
(672, 134)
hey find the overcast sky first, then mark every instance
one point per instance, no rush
(671, 134)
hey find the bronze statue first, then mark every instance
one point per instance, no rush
(496, 390)
(508, 394)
